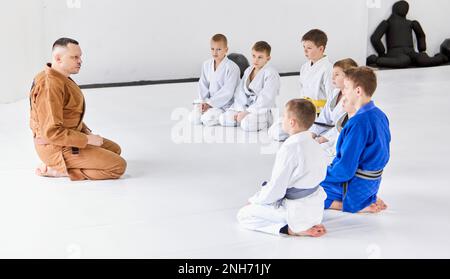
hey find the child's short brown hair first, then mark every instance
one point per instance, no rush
(363, 77)
(318, 37)
(346, 64)
(303, 111)
(262, 46)
(220, 38)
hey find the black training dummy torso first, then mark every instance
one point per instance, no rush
(399, 32)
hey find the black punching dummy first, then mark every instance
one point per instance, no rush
(400, 45)
(445, 48)
(240, 60)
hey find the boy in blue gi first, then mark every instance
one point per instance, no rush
(362, 151)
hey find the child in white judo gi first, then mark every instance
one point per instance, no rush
(218, 81)
(324, 130)
(315, 77)
(292, 202)
(256, 93)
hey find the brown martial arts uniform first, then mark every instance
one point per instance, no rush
(57, 110)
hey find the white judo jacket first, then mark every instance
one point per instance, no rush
(300, 164)
(259, 95)
(217, 88)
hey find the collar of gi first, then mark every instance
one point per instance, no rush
(54, 72)
(369, 106)
(298, 137)
(324, 58)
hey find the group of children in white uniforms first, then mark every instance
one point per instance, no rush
(247, 102)
(292, 202)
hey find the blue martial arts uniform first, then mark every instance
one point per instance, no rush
(362, 152)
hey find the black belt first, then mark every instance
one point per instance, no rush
(324, 125)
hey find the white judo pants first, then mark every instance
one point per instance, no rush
(300, 215)
(253, 122)
(208, 118)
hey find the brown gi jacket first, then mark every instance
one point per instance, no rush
(57, 110)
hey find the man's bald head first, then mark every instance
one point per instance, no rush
(66, 54)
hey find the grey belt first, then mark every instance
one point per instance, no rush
(295, 194)
(369, 175)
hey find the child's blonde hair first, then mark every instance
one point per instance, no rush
(220, 38)
(262, 46)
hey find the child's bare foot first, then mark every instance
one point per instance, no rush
(316, 231)
(381, 204)
(373, 208)
(376, 207)
(45, 171)
(336, 205)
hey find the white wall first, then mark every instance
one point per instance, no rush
(20, 47)
(169, 39)
(432, 15)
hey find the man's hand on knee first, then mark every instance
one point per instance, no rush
(95, 140)
(41, 141)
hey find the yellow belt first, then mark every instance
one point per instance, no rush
(319, 104)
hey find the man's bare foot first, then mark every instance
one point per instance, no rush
(45, 171)
(316, 231)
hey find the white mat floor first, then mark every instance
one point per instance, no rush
(179, 200)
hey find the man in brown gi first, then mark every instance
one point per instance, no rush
(63, 142)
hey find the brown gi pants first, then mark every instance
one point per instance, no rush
(95, 163)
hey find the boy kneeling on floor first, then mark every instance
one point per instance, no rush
(362, 150)
(292, 201)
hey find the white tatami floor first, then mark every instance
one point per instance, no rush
(180, 195)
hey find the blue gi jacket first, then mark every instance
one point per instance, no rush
(362, 145)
